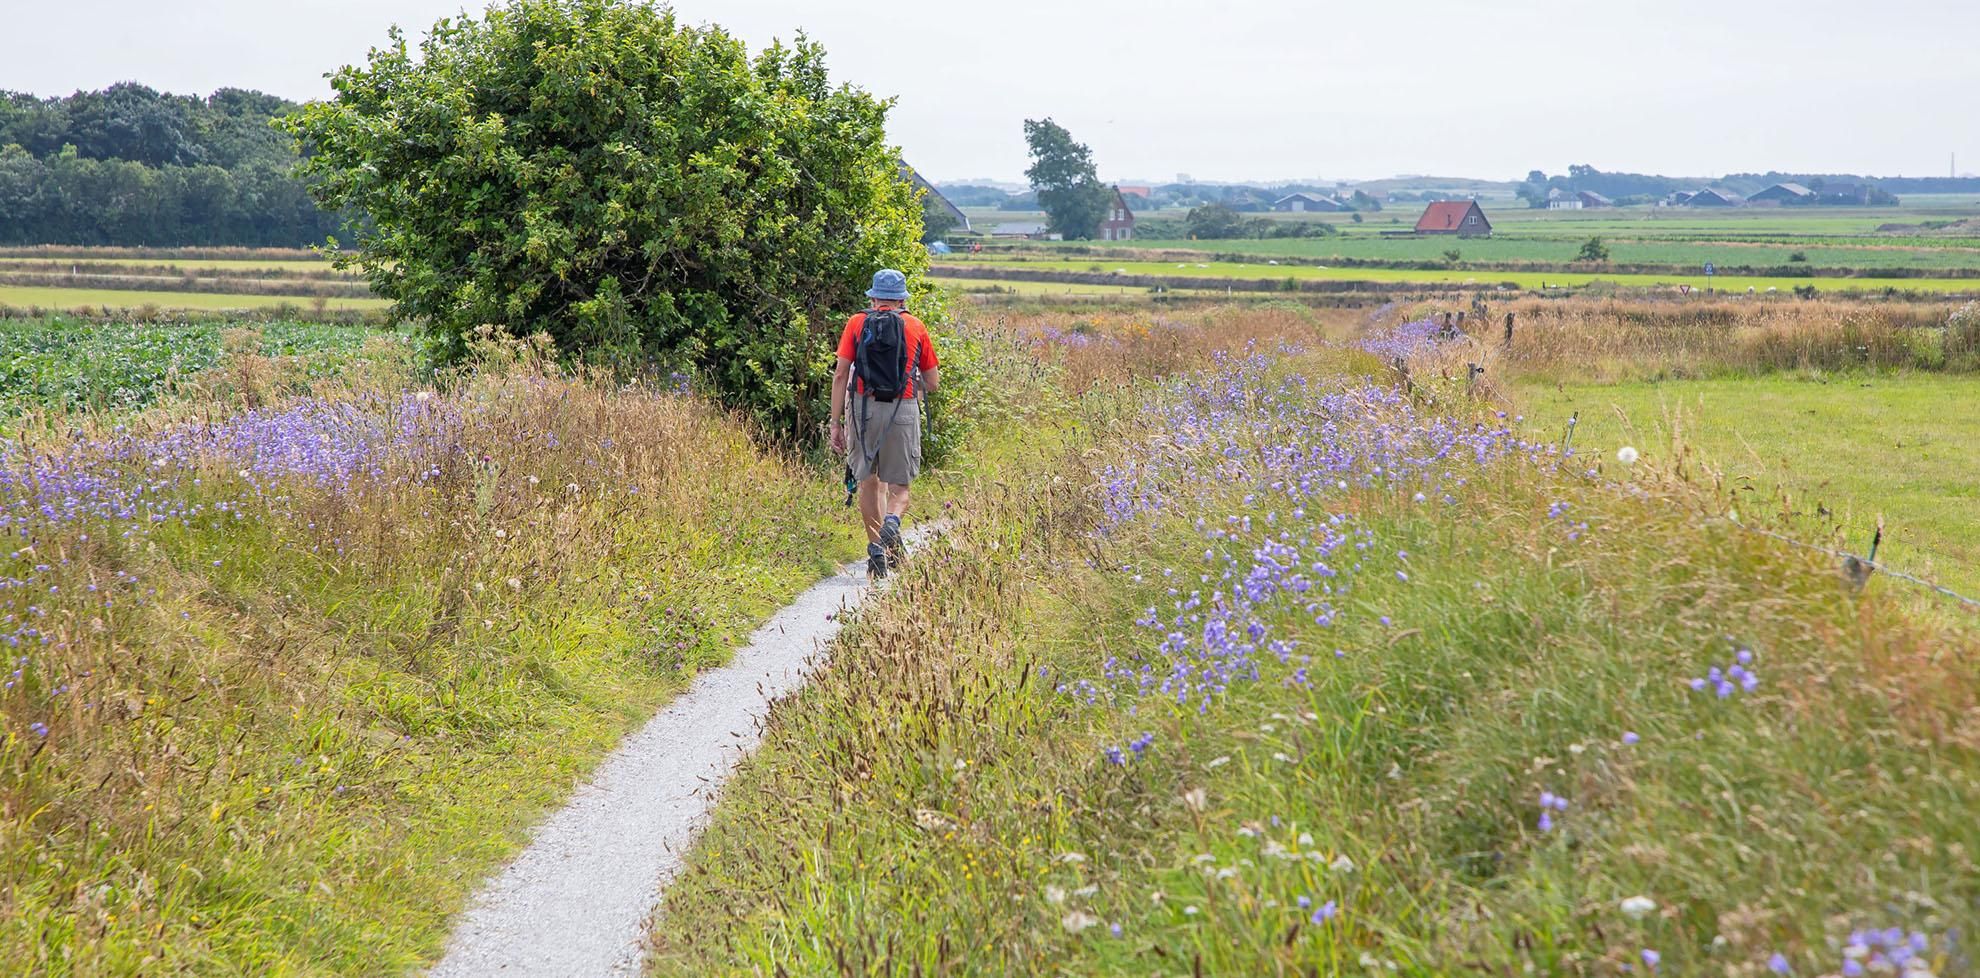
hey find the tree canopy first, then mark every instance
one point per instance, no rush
(643, 191)
(133, 166)
(1069, 189)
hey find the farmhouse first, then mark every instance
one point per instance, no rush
(934, 198)
(1304, 202)
(1463, 218)
(1564, 200)
(1119, 223)
(1714, 198)
(1784, 193)
(1590, 199)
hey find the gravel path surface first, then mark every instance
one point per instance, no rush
(574, 904)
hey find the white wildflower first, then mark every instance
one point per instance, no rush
(1218, 761)
(1341, 864)
(1077, 921)
(1196, 799)
(1055, 894)
(1190, 911)
(1305, 839)
(1086, 891)
(1072, 857)
(1626, 455)
(1637, 907)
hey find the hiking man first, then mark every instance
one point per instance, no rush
(879, 428)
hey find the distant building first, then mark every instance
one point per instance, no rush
(1142, 192)
(1714, 198)
(1591, 200)
(1463, 218)
(1034, 232)
(935, 198)
(1678, 198)
(1119, 223)
(1844, 193)
(1783, 193)
(1564, 200)
(1302, 202)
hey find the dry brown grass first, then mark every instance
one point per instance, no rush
(1106, 348)
(387, 667)
(1623, 339)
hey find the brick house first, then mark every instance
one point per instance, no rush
(1463, 218)
(1118, 225)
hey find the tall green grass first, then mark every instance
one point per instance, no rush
(934, 804)
(288, 727)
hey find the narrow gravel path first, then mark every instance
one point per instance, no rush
(574, 904)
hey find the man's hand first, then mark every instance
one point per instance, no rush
(838, 437)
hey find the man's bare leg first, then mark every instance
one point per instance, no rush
(870, 508)
(897, 500)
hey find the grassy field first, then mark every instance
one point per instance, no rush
(193, 265)
(1238, 271)
(1829, 455)
(1622, 249)
(302, 653)
(1266, 671)
(1827, 238)
(27, 297)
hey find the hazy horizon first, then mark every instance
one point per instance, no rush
(1255, 91)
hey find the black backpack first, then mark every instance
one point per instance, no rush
(880, 359)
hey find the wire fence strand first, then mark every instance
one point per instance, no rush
(1881, 568)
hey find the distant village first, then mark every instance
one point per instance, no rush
(1454, 211)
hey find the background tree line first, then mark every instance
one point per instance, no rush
(132, 166)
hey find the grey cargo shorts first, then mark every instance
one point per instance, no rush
(884, 439)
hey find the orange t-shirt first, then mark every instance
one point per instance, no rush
(920, 348)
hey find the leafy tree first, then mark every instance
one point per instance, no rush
(1534, 190)
(936, 221)
(128, 121)
(131, 166)
(639, 189)
(1213, 222)
(1069, 189)
(1452, 257)
(1593, 250)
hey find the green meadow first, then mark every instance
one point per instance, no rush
(1829, 454)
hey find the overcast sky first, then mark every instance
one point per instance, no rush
(1226, 89)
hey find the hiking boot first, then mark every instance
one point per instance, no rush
(876, 562)
(890, 540)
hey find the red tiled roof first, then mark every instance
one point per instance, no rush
(1444, 215)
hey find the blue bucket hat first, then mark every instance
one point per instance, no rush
(888, 284)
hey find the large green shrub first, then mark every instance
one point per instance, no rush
(641, 190)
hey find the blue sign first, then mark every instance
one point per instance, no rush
(1710, 269)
